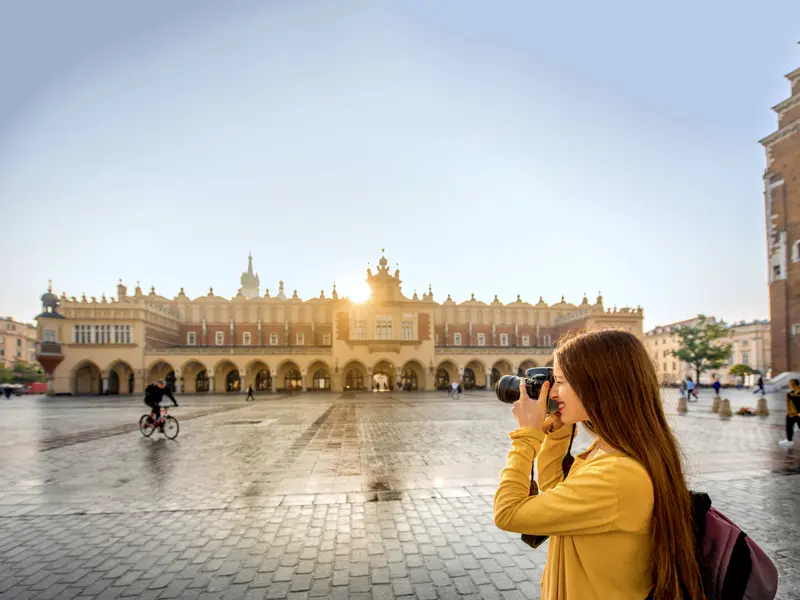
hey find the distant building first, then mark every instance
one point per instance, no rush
(216, 344)
(750, 343)
(17, 342)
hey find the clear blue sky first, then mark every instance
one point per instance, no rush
(495, 148)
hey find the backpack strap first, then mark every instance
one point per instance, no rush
(534, 541)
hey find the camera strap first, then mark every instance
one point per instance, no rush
(534, 541)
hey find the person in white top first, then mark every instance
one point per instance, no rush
(454, 388)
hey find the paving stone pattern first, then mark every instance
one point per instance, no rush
(324, 495)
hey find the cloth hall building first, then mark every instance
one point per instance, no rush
(213, 344)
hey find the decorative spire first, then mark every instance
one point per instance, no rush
(250, 264)
(50, 286)
(211, 291)
(322, 294)
(103, 298)
(152, 290)
(415, 297)
(294, 294)
(335, 294)
(472, 297)
(518, 298)
(266, 293)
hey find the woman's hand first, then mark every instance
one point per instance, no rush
(529, 412)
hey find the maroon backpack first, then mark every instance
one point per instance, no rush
(733, 566)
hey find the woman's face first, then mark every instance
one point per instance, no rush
(570, 406)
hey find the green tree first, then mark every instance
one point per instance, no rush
(741, 371)
(26, 373)
(700, 345)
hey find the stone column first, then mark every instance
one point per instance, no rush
(49, 378)
(368, 381)
(303, 380)
(398, 378)
(273, 378)
(105, 383)
(243, 382)
(178, 388)
(212, 387)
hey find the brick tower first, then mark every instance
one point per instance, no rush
(782, 207)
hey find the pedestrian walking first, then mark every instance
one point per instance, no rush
(792, 413)
(691, 389)
(250, 395)
(717, 385)
(760, 386)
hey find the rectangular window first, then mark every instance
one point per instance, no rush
(745, 358)
(326, 339)
(408, 330)
(49, 335)
(383, 327)
(504, 339)
(300, 339)
(526, 340)
(457, 339)
(665, 367)
(19, 342)
(246, 338)
(795, 328)
(435, 339)
(673, 365)
(481, 339)
(273, 339)
(744, 342)
(547, 340)
(191, 338)
(220, 338)
(665, 354)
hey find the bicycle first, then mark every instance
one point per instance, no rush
(166, 424)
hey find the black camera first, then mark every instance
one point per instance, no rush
(507, 389)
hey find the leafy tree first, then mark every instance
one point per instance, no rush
(741, 371)
(700, 346)
(22, 372)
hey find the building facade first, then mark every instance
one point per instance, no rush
(782, 210)
(750, 345)
(275, 343)
(17, 342)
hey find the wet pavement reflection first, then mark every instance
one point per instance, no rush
(319, 495)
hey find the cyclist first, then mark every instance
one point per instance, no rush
(153, 395)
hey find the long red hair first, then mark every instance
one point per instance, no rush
(614, 377)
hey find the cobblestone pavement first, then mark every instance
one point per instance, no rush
(324, 495)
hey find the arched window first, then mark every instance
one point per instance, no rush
(355, 380)
(409, 380)
(442, 378)
(201, 383)
(321, 380)
(293, 380)
(263, 380)
(232, 381)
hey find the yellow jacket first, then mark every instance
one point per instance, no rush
(598, 518)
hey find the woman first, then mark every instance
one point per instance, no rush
(620, 523)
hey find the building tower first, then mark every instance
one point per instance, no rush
(782, 207)
(249, 281)
(48, 350)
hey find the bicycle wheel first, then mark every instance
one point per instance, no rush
(171, 427)
(146, 426)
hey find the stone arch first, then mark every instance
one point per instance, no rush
(318, 376)
(354, 376)
(412, 376)
(160, 369)
(288, 373)
(222, 373)
(383, 375)
(476, 375)
(119, 374)
(194, 376)
(446, 373)
(87, 378)
(500, 368)
(526, 364)
(258, 375)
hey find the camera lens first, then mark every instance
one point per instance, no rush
(507, 389)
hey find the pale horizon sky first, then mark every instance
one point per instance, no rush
(511, 148)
